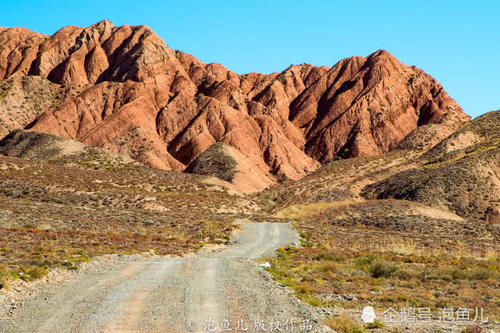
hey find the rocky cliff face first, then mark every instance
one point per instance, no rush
(124, 89)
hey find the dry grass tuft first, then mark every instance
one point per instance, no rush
(295, 212)
(344, 324)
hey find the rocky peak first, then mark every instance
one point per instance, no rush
(124, 89)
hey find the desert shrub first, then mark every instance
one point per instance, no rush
(35, 272)
(458, 274)
(481, 274)
(376, 324)
(282, 178)
(343, 324)
(311, 300)
(304, 289)
(327, 267)
(364, 263)
(404, 274)
(4, 283)
(381, 268)
(329, 256)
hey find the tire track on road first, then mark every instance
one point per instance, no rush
(163, 294)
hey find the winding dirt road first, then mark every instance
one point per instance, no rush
(219, 292)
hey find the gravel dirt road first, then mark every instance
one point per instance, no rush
(225, 291)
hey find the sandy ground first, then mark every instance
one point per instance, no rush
(210, 292)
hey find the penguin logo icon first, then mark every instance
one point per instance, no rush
(368, 316)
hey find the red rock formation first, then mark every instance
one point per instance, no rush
(365, 106)
(135, 95)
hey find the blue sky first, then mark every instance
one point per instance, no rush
(457, 42)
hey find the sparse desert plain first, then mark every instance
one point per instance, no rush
(142, 190)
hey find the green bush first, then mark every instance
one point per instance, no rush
(481, 274)
(364, 263)
(459, 274)
(329, 256)
(376, 324)
(382, 268)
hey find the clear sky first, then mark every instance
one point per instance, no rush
(457, 42)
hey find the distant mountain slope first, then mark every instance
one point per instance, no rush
(46, 147)
(461, 173)
(124, 89)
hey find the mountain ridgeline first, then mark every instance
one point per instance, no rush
(123, 89)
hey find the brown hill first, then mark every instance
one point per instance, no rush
(227, 163)
(461, 173)
(54, 149)
(124, 89)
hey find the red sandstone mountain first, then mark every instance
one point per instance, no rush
(124, 89)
